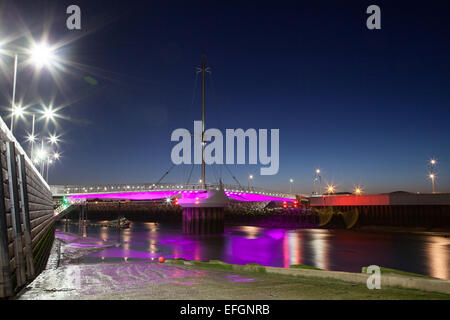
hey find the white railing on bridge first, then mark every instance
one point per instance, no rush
(60, 190)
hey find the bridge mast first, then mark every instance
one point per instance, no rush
(204, 69)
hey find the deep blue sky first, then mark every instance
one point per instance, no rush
(367, 107)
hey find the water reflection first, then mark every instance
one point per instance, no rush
(319, 245)
(326, 249)
(438, 261)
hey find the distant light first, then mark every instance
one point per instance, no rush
(291, 180)
(358, 190)
(431, 176)
(330, 188)
(168, 200)
(317, 170)
(250, 176)
(200, 181)
(433, 161)
(56, 155)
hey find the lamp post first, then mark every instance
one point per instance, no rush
(41, 54)
(291, 185)
(48, 114)
(250, 177)
(13, 103)
(317, 182)
(432, 174)
(432, 177)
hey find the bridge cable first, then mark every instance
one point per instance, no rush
(190, 174)
(231, 174)
(165, 174)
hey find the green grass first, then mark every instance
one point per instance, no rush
(303, 266)
(399, 272)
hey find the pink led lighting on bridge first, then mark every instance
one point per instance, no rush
(154, 195)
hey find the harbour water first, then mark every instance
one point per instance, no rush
(339, 250)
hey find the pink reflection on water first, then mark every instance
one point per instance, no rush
(121, 253)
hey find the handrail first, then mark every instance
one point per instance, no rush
(111, 188)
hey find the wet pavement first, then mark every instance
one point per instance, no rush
(69, 276)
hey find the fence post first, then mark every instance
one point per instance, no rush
(26, 217)
(15, 214)
(5, 272)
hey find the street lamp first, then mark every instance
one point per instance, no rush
(330, 189)
(432, 173)
(358, 190)
(49, 162)
(41, 54)
(250, 177)
(53, 139)
(291, 181)
(317, 182)
(49, 113)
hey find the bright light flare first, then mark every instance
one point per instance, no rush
(433, 162)
(358, 190)
(432, 176)
(53, 139)
(18, 111)
(56, 156)
(49, 113)
(331, 188)
(317, 171)
(250, 176)
(41, 54)
(291, 180)
(31, 138)
(41, 154)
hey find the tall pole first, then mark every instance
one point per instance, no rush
(432, 174)
(203, 118)
(14, 93)
(42, 160)
(32, 135)
(46, 178)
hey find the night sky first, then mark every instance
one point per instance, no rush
(367, 107)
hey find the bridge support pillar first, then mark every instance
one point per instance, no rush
(200, 220)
